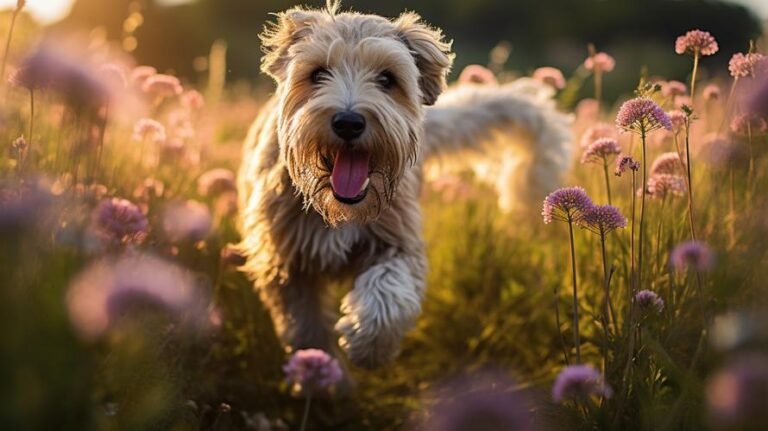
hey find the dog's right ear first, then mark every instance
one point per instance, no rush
(278, 37)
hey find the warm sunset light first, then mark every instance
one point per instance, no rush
(44, 10)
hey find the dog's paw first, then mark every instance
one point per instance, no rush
(366, 345)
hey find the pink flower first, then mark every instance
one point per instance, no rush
(187, 221)
(696, 42)
(312, 370)
(597, 131)
(162, 86)
(192, 100)
(147, 128)
(692, 254)
(677, 117)
(667, 163)
(114, 74)
(215, 182)
(742, 66)
(649, 302)
(673, 88)
(600, 151)
(140, 74)
(663, 185)
(711, 92)
(104, 293)
(550, 76)
(746, 124)
(579, 382)
(642, 115)
(600, 61)
(476, 74)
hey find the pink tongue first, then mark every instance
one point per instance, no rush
(350, 170)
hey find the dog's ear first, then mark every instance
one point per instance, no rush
(277, 38)
(433, 55)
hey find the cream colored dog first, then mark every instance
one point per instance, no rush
(333, 166)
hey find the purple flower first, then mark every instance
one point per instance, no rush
(649, 302)
(602, 219)
(578, 382)
(312, 370)
(742, 66)
(550, 76)
(215, 182)
(187, 221)
(692, 254)
(664, 185)
(486, 402)
(566, 204)
(667, 163)
(600, 61)
(120, 221)
(597, 131)
(626, 162)
(23, 204)
(696, 42)
(109, 289)
(738, 393)
(642, 115)
(147, 128)
(600, 151)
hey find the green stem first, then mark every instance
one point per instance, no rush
(576, 338)
(690, 180)
(607, 181)
(559, 332)
(306, 413)
(8, 46)
(693, 75)
(642, 216)
(31, 125)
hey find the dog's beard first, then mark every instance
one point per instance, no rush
(311, 150)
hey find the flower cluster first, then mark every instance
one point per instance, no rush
(696, 42)
(649, 302)
(664, 185)
(742, 66)
(746, 124)
(693, 255)
(602, 219)
(600, 61)
(642, 115)
(667, 163)
(600, 151)
(550, 76)
(566, 204)
(578, 382)
(624, 163)
(312, 370)
(673, 88)
(121, 221)
(147, 128)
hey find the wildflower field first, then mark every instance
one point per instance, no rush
(633, 298)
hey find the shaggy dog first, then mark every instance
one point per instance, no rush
(333, 167)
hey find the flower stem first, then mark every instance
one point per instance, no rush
(688, 169)
(607, 181)
(31, 126)
(642, 215)
(576, 338)
(559, 332)
(306, 413)
(8, 45)
(606, 300)
(693, 75)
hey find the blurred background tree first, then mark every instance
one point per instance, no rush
(540, 32)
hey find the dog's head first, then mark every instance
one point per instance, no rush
(352, 89)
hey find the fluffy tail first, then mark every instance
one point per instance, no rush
(511, 135)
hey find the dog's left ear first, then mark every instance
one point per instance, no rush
(433, 55)
(277, 38)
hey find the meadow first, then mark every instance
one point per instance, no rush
(122, 306)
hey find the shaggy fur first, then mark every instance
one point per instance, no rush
(300, 238)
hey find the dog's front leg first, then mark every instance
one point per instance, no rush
(382, 306)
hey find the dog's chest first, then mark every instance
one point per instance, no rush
(331, 249)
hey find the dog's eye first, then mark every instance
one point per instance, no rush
(319, 75)
(386, 80)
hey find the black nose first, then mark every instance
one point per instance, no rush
(348, 125)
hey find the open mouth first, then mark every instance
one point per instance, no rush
(350, 175)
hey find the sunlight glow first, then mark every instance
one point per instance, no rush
(45, 11)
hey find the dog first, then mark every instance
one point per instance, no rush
(333, 166)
